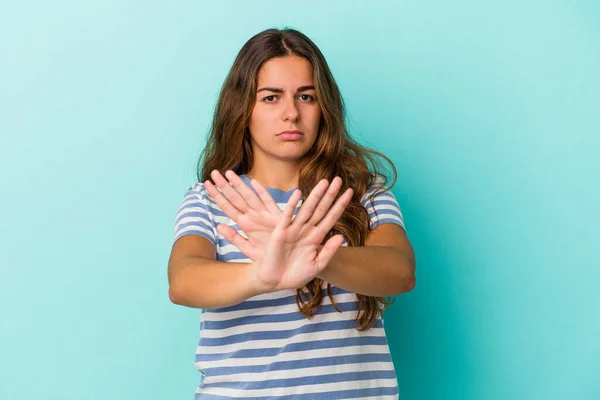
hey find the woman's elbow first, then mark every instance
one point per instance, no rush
(411, 282)
(174, 296)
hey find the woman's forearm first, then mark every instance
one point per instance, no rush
(202, 283)
(370, 270)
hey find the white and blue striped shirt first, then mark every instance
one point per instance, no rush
(264, 348)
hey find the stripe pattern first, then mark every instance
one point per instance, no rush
(264, 348)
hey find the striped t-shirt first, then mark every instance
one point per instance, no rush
(264, 348)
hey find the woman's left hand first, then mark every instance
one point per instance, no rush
(257, 216)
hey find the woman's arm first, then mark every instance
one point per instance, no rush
(198, 280)
(292, 257)
(385, 266)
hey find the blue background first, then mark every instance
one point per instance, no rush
(490, 111)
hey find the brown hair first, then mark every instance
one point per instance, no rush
(334, 152)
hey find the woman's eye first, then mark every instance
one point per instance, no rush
(303, 97)
(307, 97)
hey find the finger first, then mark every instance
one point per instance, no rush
(325, 203)
(229, 209)
(313, 199)
(336, 211)
(229, 191)
(288, 211)
(235, 238)
(328, 251)
(266, 197)
(245, 191)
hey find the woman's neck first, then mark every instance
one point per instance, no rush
(281, 176)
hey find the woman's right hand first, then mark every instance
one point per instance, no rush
(294, 255)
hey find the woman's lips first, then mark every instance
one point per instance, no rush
(291, 135)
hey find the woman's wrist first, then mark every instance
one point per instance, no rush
(257, 285)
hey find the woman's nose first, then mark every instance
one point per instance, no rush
(290, 110)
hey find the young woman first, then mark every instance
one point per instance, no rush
(294, 251)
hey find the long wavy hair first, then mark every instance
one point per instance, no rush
(334, 152)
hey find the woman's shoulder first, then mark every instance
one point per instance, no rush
(197, 189)
(376, 186)
(197, 195)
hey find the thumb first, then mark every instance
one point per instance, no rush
(235, 238)
(328, 250)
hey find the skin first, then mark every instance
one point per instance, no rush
(286, 253)
(289, 253)
(285, 100)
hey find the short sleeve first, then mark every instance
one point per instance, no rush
(384, 208)
(194, 216)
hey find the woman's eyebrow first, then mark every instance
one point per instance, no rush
(279, 90)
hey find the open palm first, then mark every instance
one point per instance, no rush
(294, 255)
(257, 216)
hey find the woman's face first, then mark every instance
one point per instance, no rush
(285, 101)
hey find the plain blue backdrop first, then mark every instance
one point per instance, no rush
(490, 111)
